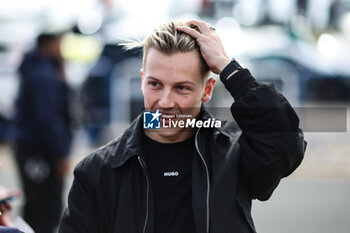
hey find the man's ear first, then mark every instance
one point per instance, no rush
(208, 90)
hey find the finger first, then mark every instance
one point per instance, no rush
(202, 25)
(190, 31)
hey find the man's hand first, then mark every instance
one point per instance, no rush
(210, 44)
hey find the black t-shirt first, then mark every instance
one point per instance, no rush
(170, 168)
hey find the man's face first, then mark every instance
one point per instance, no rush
(173, 84)
(54, 49)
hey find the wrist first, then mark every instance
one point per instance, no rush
(231, 68)
(223, 63)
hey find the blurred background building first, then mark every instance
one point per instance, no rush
(301, 46)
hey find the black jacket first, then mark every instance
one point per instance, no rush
(111, 192)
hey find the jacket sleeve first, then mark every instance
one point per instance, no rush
(272, 145)
(80, 215)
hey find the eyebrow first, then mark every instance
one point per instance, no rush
(178, 83)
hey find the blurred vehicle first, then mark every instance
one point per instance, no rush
(300, 83)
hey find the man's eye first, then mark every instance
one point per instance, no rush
(182, 88)
(154, 84)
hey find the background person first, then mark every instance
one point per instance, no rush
(43, 136)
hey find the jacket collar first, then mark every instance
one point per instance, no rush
(130, 142)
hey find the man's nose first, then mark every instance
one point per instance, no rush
(166, 100)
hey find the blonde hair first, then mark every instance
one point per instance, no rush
(167, 39)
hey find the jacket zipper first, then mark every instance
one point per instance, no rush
(208, 181)
(147, 196)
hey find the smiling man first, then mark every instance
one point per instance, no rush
(187, 179)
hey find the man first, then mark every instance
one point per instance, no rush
(43, 137)
(190, 179)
